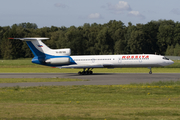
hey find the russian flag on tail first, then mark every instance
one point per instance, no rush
(40, 46)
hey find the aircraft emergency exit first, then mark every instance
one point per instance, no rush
(61, 58)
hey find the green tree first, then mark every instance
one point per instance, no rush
(170, 50)
(119, 47)
(91, 39)
(28, 25)
(165, 35)
(11, 49)
(116, 31)
(104, 42)
(110, 38)
(74, 40)
(150, 39)
(177, 50)
(62, 42)
(119, 39)
(136, 39)
(6, 49)
(176, 34)
(127, 35)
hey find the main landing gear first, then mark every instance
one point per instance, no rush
(86, 72)
(150, 72)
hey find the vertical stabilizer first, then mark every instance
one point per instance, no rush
(36, 45)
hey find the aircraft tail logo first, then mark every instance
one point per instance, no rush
(40, 46)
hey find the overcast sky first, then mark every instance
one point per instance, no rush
(77, 12)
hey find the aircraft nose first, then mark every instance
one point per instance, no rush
(171, 62)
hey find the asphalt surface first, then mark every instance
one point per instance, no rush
(95, 79)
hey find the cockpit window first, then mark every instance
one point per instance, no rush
(165, 58)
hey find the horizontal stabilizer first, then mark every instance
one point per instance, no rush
(29, 39)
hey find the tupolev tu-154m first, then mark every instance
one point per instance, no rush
(61, 58)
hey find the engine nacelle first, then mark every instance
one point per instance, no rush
(58, 61)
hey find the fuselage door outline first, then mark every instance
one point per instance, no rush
(119, 60)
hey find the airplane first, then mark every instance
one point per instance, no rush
(61, 58)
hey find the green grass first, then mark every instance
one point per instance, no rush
(158, 101)
(20, 80)
(96, 70)
(17, 63)
(25, 66)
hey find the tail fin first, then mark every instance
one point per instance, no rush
(43, 54)
(36, 45)
(40, 49)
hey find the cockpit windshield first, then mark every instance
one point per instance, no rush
(165, 58)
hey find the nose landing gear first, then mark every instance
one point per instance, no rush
(86, 72)
(150, 72)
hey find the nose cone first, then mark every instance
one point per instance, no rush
(171, 62)
(167, 62)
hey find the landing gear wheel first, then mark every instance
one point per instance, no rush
(150, 72)
(83, 73)
(86, 72)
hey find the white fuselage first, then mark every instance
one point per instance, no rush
(115, 61)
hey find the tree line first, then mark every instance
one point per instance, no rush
(160, 37)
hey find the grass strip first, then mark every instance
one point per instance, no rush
(158, 100)
(25, 66)
(98, 70)
(20, 80)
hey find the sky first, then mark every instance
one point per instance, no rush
(47, 13)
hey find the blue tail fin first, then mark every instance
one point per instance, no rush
(36, 45)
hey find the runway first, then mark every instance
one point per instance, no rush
(95, 79)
